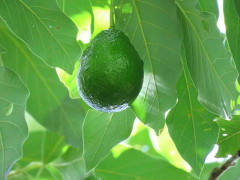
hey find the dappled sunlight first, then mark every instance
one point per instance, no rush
(161, 147)
(83, 22)
(168, 149)
(101, 21)
(119, 149)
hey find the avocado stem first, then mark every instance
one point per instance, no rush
(112, 23)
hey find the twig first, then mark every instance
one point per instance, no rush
(217, 172)
(34, 165)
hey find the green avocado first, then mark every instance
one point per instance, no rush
(110, 76)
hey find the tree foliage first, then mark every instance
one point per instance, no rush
(190, 91)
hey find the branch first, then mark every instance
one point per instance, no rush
(216, 172)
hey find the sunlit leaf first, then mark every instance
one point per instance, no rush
(168, 150)
(70, 81)
(48, 32)
(13, 129)
(133, 164)
(154, 30)
(208, 60)
(229, 137)
(190, 125)
(102, 18)
(48, 103)
(81, 13)
(102, 131)
(142, 142)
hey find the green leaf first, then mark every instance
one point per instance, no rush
(209, 6)
(142, 142)
(71, 165)
(102, 3)
(133, 164)
(70, 81)
(42, 146)
(208, 167)
(44, 173)
(53, 145)
(44, 157)
(209, 62)
(48, 32)
(102, 131)
(232, 173)
(154, 30)
(13, 129)
(32, 148)
(49, 173)
(232, 21)
(2, 50)
(168, 150)
(229, 141)
(70, 115)
(190, 125)
(48, 103)
(81, 13)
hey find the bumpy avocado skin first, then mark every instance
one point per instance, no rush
(110, 76)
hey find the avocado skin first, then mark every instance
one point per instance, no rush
(110, 76)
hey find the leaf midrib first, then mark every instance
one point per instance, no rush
(208, 58)
(148, 52)
(56, 146)
(190, 103)
(99, 144)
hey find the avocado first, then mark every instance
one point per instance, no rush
(110, 76)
